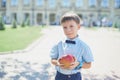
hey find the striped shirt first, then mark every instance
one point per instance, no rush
(80, 50)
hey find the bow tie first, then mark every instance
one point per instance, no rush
(70, 42)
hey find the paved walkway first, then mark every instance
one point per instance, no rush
(35, 64)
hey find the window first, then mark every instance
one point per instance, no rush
(92, 3)
(79, 3)
(39, 18)
(117, 3)
(52, 3)
(66, 3)
(14, 2)
(26, 16)
(52, 18)
(14, 16)
(26, 2)
(105, 3)
(39, 2)
(3, 3)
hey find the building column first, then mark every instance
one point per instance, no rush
(19, 12)
(8, 12)
(111, 5)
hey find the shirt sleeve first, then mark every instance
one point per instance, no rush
(54, 52)
(87, 55)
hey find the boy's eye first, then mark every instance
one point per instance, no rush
(71, 26)
(64, 27)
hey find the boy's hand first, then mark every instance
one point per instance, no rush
(72, 66)
(58, 64)
(61, 65)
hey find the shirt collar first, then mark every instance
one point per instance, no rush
(74, 39)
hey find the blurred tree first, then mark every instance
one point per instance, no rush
(28, 21)
(2, 27)
(23, 24)
(14, 24)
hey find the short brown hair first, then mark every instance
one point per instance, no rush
(70, 16)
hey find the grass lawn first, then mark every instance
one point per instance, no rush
(19, 38)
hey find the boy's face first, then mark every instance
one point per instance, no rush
(70, 28)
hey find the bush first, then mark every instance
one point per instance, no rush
(115, 25)
(28, 22)
(2, 27)
(14, 24)
(23, 24)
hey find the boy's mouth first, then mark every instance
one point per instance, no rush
(69, 34)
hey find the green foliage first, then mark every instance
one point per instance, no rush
(23, 24)
(115, 25)
(2, 27)
(14, 24)
(28, 22)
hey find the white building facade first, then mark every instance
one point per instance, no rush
(43, 11)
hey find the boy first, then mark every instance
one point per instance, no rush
(72, 45)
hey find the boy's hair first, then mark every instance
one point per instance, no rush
(70, 16)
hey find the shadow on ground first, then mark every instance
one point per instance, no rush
(18, 70)
(14, 69)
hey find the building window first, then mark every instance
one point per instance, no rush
(14, 16)
(66, 3)
(14, 2)
(39, 18)
(39, 2)
(105, 3)
(92, 3)
(79, 3)
(26, 2)
(117, 3)
(52, 18)
(3, 3)
(26, 16)
(3, 17)
(52, 3)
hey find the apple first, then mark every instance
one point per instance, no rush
(66, 60)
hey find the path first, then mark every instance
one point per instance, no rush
(35, 64)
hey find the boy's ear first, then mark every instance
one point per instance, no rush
(78, 26)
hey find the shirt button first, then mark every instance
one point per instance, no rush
(69, 76)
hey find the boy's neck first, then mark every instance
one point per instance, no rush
(73, 37)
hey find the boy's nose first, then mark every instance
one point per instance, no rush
(68, 29)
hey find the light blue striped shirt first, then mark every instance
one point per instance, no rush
(80, 50)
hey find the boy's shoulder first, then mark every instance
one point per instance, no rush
(59, 42)
(82, 43)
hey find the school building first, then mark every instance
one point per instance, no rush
(49, 11)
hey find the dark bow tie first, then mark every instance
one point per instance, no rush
(71, 42)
